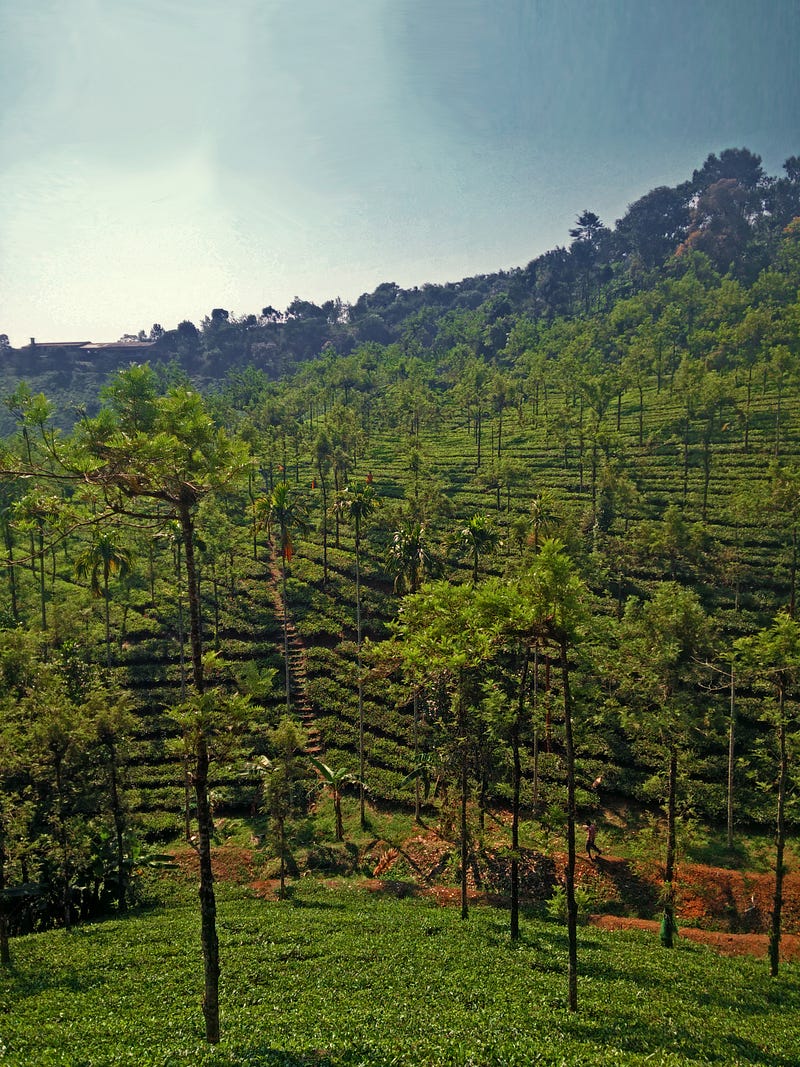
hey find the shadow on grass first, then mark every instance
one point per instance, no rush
(640, 1038)
(34, 984)
(741, 857)
(635, 893)
(266, 1056)
(292, 900)
(396, 888)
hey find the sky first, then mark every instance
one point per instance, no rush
(160, 158)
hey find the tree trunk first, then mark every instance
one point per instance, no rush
(285, 626)
(780, 834)
(516, 783)
(361, 790)
(416, 757)
(572, 908)
(668, 926)
(731, 755)
(464, 789)
(11, 572)
(324, 528)
(282, 847)
(119, 826)
(107, 617)
(337, 810)
(5, 952)
(42, 593)
(208, 906)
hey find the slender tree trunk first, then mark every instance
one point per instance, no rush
(793, 575)
(416, 757)
(324, 528)
(361, 769)
(780, 834)
(208, 906)
(668, 928)
(337, 810)
(254, 523)
(285, 627)
(706, 467)
(42, 594)
(778, 423)
(516, 784)
(731, 754)
(107, 617)
(282, 846)
(215, 593)
(464, 791)
(11, 572)
(572, 908)
(535, 797)
(686, 463)
(187, 782)
(63, 841)
(5, 951)
(119, 825)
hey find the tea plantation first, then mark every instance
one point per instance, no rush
(339, 976)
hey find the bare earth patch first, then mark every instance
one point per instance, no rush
(723, 943)
(727, 910)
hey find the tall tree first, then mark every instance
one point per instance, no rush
(158, 473)
(409, 556)
(357, 506)
(474, 539)
(664, 642)
(441, 641)
(558, 597)
(101, 558)
(773, 659)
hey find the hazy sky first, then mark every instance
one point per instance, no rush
(163, 157)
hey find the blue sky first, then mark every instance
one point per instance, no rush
(164, 157)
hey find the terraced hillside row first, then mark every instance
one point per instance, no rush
(657, 438)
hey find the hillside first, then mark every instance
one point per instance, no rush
(510, 560)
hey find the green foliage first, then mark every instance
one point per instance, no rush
(421, 988)
(557, 905)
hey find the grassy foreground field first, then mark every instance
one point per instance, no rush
(339, 976)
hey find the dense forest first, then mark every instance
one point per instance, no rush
(528, 542)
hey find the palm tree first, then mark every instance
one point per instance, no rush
(357, 506)
(557, 598)
(323, 457)
(282, 510)
(104, 556)
(474, 539)
(409, 556)
(542, 518)
(334, 780)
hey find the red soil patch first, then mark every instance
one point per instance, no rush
(723, 943)
(727, 910)
(231, 863)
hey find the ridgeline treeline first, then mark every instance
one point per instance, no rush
(532, 536)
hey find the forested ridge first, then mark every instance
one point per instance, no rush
(525, 543)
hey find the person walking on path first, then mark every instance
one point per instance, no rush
(591, 844)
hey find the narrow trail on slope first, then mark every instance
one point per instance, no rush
(298, 675)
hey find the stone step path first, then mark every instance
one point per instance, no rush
(298, 676)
